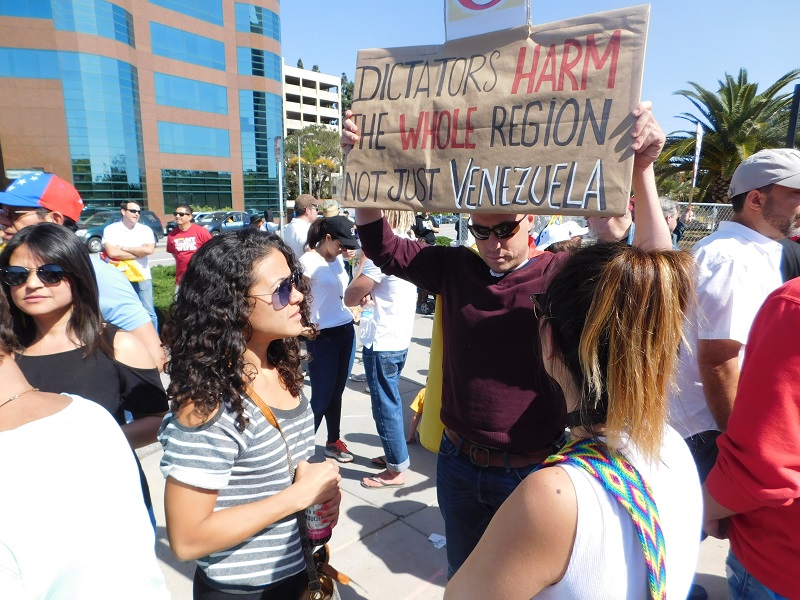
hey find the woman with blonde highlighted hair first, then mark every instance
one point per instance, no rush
(617, 513)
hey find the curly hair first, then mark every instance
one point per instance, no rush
(208, 326)
(54, 244)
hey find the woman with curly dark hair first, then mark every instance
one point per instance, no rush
(230, 500)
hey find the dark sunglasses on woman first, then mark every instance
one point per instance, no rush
(48, 274)
(282, 295)
(502, 230)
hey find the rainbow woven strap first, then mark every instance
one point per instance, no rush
(621, 479)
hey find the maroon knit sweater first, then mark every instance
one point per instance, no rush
(495, 391)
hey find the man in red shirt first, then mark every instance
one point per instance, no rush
(756, 479)
(185, 240)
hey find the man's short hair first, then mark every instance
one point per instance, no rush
(184, 206)
(737, 202)
(668, 206)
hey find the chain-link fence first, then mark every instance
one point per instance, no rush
(705, 221)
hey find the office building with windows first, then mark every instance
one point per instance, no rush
(156, 101)
(311, 98)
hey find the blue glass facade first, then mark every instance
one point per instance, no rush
(206, 10)
(255, 19)
(188, 47)
(96, 17)
(29, 64)
(103, 106)
(189, 93)
(197, 188)
(104, 124)
(179, 138)
(34, 9)
(261, 120)
(261, 63)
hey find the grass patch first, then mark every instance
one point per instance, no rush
(443, 240)
(163, 286)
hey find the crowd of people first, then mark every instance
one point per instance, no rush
(603, 405)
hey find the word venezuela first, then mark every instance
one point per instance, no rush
(524, 120)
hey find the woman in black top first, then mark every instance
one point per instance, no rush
(48, 279)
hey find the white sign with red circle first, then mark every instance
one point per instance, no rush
(464, 18)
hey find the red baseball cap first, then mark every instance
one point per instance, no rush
(44, 190)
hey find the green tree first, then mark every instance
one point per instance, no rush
(737, 121)
(320, 155)
(347, 94)
(299, 63)
(676, 186)
(315, 68)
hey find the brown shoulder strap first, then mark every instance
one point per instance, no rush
(266, 410)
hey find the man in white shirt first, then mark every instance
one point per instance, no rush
(738, 266)
(130, 240)
(295, 234)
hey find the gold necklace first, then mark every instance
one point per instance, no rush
(15, 396)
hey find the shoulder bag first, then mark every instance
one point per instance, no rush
(322, 577)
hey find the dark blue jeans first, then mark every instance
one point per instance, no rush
(703, 447)
(328, 369)
(469, 496)
(383, 377)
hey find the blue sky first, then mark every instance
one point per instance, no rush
(689, 40)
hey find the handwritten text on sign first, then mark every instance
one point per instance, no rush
(524, 120)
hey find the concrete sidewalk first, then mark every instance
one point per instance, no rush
(381, 540)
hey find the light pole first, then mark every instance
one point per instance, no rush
(299, 168)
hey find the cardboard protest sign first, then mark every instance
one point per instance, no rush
(463, 18)
(527, 120)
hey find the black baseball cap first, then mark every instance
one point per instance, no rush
(342, 230)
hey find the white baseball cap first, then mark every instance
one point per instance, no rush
(765, 167)
(559, 232)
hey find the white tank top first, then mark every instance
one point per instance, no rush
(607, 562)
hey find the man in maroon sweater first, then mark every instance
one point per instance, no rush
(501, 412)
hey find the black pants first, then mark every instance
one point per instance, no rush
(328, 369)
(287, 589)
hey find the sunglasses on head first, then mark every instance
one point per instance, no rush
(180, 214)
(49, 274)
(502, 230)
(538, 307)
(282, 295)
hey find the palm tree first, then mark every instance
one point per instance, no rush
(737, 121)
(320, 155)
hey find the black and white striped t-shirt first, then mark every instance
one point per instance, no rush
(243, 467)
